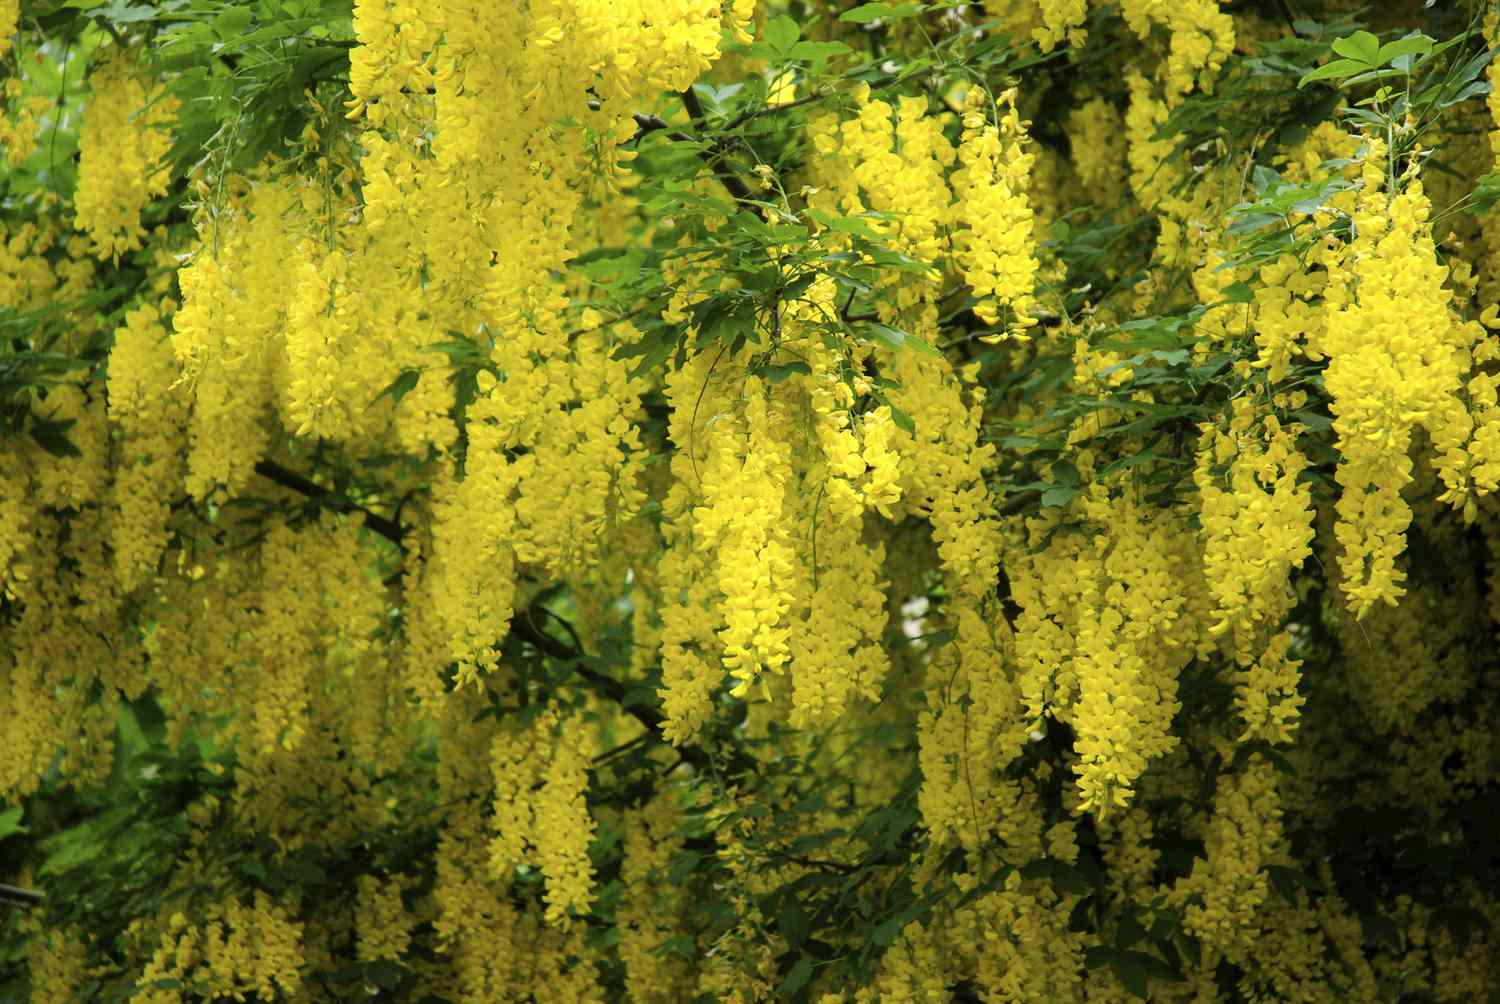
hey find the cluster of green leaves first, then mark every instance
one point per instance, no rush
(240, 69)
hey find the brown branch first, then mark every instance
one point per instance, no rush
(714, 157)
(756, 113)
(524, 627)
(19, 897)
(646, 124)
(271, 471)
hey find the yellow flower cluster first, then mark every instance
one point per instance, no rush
(1061, 19)
(687, 574)
(236, 950)
(1096, 140)
(540, 775)
(235, 293)
(1201, 38)
(890, 161)
(1256, 518)
(741, 516)
(152, 416)
(382, 922)
(996, 251)
(1108, 621)
(651, 908)
(1396, 362)
(58, 962)
(968, 735)
(19, 116)
(800, 529)
(10, 13)
(644, 45)
(838, 617)
(394, 42)
(770, 563)
(1227, 886)
(122, 145)
(581, 477)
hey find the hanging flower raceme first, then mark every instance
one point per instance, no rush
(1256, 516)
(540, 779)
(10, 13)
(1396, 362)
(151, 411)
(122, 145)
(996, 249)
(741, 515)
(1201, 38)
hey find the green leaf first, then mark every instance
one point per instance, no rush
(798, 978)
(121, 12)
(232, 22)
(304, 871)
(1057, 496)
(867, 12)
(1369, 75)
(401, 386)
(792, 922)
(887, 931)
(1361, 46)
(386, 974)
(781, 33)
(1486, 193)
(52, 436)
(1251, 222)
(653, 352)
(1283, 882)
(815, 51)
(1313, 421)
(777, 372)
(1273, 756)
(1473, 89)
(1412, 45)
(1238, 292)
(895, 339)
(1153, 967)
(901, 419)
(1337, 69)
(854, 225)
(252, 868)
(347, 974)
(1069, 878)
(1130, 931)
(10, 822)
(1132, 975)
(1098, 956)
